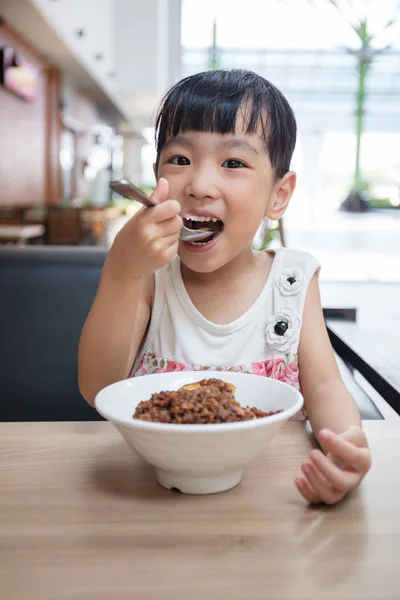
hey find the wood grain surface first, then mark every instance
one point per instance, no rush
(82, 517)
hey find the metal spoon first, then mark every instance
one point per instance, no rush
(128, 190)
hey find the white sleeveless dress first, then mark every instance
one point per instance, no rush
(263, 341)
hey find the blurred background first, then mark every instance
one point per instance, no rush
(80, 85)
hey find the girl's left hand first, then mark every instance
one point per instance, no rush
(328, 478)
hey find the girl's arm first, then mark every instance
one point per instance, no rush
(333, 413)
(113, 332)
(327, 400)
(120, 314)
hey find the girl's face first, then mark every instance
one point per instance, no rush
(224, 182)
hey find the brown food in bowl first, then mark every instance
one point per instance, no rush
(205, 402)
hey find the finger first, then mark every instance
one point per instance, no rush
(170, 252)
(167, 210)
(159, 245)
(353, 434)
(320, 485)
(166, 252)
(306, 490)
(356, 435)
(354, 456)
(343, 481)
(171, 226)
(170, 240)
(161, 192)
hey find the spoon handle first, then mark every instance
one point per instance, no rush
(128, 190)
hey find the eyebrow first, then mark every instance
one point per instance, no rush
(235, 143)
(224, 144)
(178, 139)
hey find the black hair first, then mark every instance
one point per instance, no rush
(210, 101)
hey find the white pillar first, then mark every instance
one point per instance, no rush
(147, 45)
(311, 180)
(133, 144)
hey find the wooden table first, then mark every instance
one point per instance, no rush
(81, 517)
(20, 233)
(97, 217)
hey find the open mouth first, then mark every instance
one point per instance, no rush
(211, 224)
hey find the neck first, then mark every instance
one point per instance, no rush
(241, 264)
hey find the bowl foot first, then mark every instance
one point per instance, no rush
(199, 485)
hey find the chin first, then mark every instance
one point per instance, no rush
(211, 259)
(205, 263)
(201, 264)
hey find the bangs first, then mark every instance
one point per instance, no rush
(211, 114)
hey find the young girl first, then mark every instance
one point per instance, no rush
(224, 145)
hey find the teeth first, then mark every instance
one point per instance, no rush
(202, 219)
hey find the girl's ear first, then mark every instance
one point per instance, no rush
(155, 170)
(281, 196)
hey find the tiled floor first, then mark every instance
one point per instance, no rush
(360, 258)
(375, 334)
(377, 307)
(351, 247)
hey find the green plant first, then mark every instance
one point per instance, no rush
(365, 54)
(214, 62)
(266, 236)
(382, 203)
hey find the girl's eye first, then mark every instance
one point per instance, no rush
(232, 163)
(180, 161)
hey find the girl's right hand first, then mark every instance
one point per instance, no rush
(149, 240)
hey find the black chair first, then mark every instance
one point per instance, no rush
(46, 294)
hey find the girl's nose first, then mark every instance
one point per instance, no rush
(202, 185)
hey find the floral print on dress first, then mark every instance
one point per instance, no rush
(278, 368)
(290, 282)
(283, 330)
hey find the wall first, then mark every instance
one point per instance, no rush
(23, 136)
(147, 45)
(97, 19)
(147, 48)
(86, 113)
(140, 44)
(136, 46)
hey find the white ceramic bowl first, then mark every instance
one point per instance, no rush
(199, 459)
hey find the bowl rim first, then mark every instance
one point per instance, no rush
(204, 427)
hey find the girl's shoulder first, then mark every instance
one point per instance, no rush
(288, 257)
(293, 273)
(294, 270)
